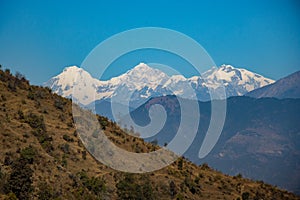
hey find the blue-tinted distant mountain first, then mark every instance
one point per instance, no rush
(288, 87)
(104, 108)
(260, 138)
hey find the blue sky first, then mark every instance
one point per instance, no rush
(40, 38)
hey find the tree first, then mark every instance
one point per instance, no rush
(45, 191)
(29, 153)
(245, 196)
(154, 142)
(128, 189)
(132, 188)
(20, 76)
(20, 182)
(147, 189)
(180, 164)
(173, 191)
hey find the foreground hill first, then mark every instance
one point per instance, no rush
(42, 157)
(260, 137)
(287, 87)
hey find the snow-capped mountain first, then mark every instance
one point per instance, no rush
(63, 84)
(235, 80)
(143, 82)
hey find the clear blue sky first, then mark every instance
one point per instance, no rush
(40, 38)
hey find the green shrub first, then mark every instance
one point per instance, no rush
(59, 103)
(45, 191)
(147, 189)
(173, 190)
(94, 184)
(204, 166)
(40, 93)
(8, 160)
(239, 176)
(20, 180)
(154, 142)
(3, 180)
(29, 154)
(75, 133)
(188, 182)
(11, 196)
(21, 114)
(132, 188)
(70, 124)
(84, 155)
(49, 90)
(7, 72)
(47, 146)
(12, 86)
(36, 122)
(68, 138)
(1, 173)
(103, 122)
(180, 197)
(36, 93)
(19, 76)
(30, 95)
(3, 97)
(245, 196)
(180, 164)
(64, 161)
(127, 188)
(65, 148)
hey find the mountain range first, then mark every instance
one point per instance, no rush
(260, 136)
(42, 156)
(143, 82)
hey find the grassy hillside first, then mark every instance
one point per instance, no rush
(42, 157)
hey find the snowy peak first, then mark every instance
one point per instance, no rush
(63, 84)
(145, 82)
(225, 73)
(144, 72)
(141, 67)
(71, 75)
(236, 81)
(178, 78)
(236, 76)
(226, 68)
(72, 69)
(141, 76)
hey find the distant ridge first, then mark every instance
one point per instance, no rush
(260, 138)
(287, 87)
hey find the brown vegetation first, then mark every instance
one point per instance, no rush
(42, 157)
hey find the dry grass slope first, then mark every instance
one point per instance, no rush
(42, 157)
